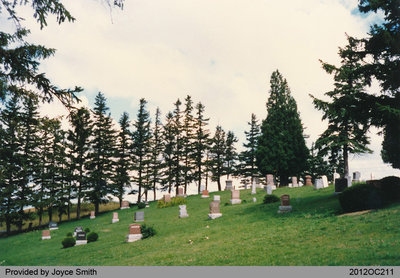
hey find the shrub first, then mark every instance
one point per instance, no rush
(69, 234)
(175, 201)
(268, 199)
(360, 197)
(92, 237)
(68, 242)
(391, 188)
(141, 205)
(227, 204)
(147, 231)
(87, 230)
(244, 201)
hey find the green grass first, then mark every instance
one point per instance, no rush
(246, 234)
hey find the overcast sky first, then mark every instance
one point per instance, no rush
(221, 52)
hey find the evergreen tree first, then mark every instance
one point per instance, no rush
(141, 143)
(122, 179)
(200, 144)
(79, 144)
(168, 154)
(100, 163)
(347, 127)
(188, 140)
(247, 157)
(156, 146)
(231, 155)
(281, 148)
(177, 155)
(217, 156)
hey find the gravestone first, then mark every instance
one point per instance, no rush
(228, 185)
(253, 188)
(134, 233)
(147, 204)
(80, 238)
(318, 184)
(78, 229)
(92, 215)
(214, 210)
(204, 194)
(115, 217)
(285, 204)
(167, 198)
(336, 176)
(294, 182)
(356, 176)
(254, 200)
(340, 185)
(270, 179)
(308, 180)
(46, 234)
(217, 198)
(235, 197)
(180, 192)
(258, 183)
(325, 181)
(53, 225)
(268, 189)
(139, 216)
(124, 205)
(348, 180)
(182, 211)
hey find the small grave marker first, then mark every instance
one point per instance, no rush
(166, 198)
(182, 211)
(115, 217)
(308, 180)
(285, 204)
(204, 194)
(139, 216)
(214, 210)
(318, 184)
(325, 181)
(340, 185)
(180, 192)
(228, 185)
(77, 229)
(134, 233)
(217, 198)
(294, 182)
(46, 234)
(53, 225)
(81, 238)
(92, 215)
(124, 205)
(235, 197)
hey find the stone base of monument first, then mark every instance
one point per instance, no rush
(236, 201)
(214, 215)
(132, 238)
(46, 237)
(205, 196)
(273, 187)
(81, 242)
(114, 221)
(92, 217)
(184, 196)
(53, 228)
(124, 207)
(283, 209)
(183, 215)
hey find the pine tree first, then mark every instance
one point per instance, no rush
(122, 179)
(156, 146)
(141, 143)
(231, 155)
(100, 163)
(79, 144)
(201, 143)
(217, 156)
(248, 167)
(281, 147)
(168, 154)
(347, 127)
(188, 140)
(177, 155)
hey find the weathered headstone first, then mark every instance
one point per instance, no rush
(134, 233)
(139, 216)
(180, 192)
(214, 210)
(124, 205)
(294, 182)
(308, 180)
(325, 181)
(348, 181)
(53, 225)
(46, 234)
(235, 197)
(228, 185)
(340, 185)
(182, 211)
(318, 184)
(77, 229)
(253, 188)
(217, 198)
(356, 176)
(92, 215)
(167, 198)
(115, 217)
(80, 238)
(204, 194)
(285, 204)
(268, 189)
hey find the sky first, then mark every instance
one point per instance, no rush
(222, 53)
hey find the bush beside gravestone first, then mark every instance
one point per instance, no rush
(175, 201)
(141, 205)
(147, 231)
(92, 237)
(268, 199)
(361, 196)
(69, 241)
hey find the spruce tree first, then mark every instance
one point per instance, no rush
(217, 156)
(231, 155)
(100, 164)
(201, 143)
(347, 126)
(156, 147)
(247, 157)
(79, 145)
(122, 179)
(141, 144)
(281, 148)
(168, 154)
(188, 143)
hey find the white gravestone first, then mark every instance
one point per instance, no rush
(217, 198)
(253, 188)
(325, 181)
(182, 211)
(294, 182)
(318, 184)
(348, 181)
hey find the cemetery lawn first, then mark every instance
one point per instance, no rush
(314, 233)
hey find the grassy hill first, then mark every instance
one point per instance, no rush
(314, 233)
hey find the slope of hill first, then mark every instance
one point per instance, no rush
(247, 234)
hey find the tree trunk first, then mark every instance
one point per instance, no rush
(50, 212)
(219, 184)
(345, 160)
(78, 206)
(154, 190)
(96, 208)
